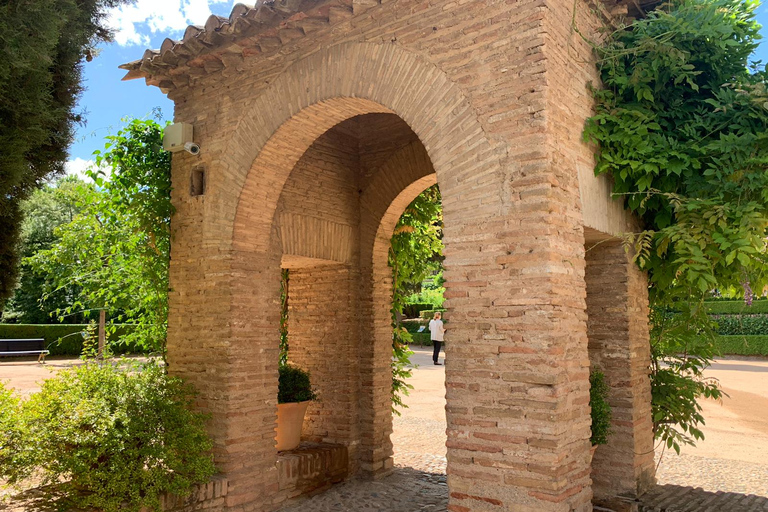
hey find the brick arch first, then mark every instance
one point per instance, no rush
(332, 85)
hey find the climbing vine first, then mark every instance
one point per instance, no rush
(682, 129)
(415, 252)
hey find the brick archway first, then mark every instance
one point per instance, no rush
(328, 87)
(517, 383)
(305, 101)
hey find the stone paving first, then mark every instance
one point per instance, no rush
(405, 490)
(735, 476)
(676, 498)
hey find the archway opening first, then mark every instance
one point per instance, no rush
(333, 223)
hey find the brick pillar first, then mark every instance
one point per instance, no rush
(375, 357)
(223, 339)
(617, 309)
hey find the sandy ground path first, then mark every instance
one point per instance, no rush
(732, 458)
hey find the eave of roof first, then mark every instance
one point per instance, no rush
(223, 43)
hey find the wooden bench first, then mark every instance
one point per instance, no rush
(28, 347)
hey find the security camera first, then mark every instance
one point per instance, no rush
(191, 148)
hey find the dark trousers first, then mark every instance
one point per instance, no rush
(436, 351)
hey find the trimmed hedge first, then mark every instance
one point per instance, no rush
(421, 339)
(413, 310)
(736, 307)
(427, 314)
(413, 326)
(743, 345)
(64, 339)
(741, 324)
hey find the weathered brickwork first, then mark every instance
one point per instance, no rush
(617, 307)
(487, 99)
(310, 469)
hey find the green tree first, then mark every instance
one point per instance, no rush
(41, 50)
(48, 208)
(682, 128)
(416, 251)
(116, 250)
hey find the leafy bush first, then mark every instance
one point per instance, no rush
(429, 313)
(413, 325)
(432, 296)
(421, 339)
(743, 345)
(601, 409)
(10, 432)
(116, 437)
(294, 385)
(66, 339)
(412, 310)
(736, 307)
(741, 324)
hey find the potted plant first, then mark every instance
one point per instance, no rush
(294, 392)
(601, 410)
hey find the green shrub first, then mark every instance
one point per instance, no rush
(112, 437)
(432, 296)
(413, 310)
(743, 345)
(413, 326)
(294, 385)
(741, 324)
(427, 314)
(67, 339)
(737, 307)
(10, 431)
(421, 339)
(601, 409)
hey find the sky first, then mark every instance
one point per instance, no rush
(107, 101)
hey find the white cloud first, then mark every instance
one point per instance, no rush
(78, 166)
(135, 23)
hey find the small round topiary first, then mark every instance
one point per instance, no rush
(294, 385)
(601, 409)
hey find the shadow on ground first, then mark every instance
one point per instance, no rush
(676, 498)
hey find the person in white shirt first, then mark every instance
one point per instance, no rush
(436, 331)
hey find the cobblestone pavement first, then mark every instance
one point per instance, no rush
(405, 490)
(674, 498)
(714, 474)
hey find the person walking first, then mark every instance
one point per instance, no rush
(436, 331)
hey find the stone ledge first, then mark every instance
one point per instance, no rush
(204, 496)
(311, 468)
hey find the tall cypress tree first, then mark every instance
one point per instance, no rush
(42, 48)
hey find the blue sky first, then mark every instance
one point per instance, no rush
(144, 24)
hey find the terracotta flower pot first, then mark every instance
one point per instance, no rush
(290, 418)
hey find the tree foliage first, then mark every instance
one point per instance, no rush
(116, 250)
(682, 130)
(41, 52)
(47, 209)
(415, 252)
